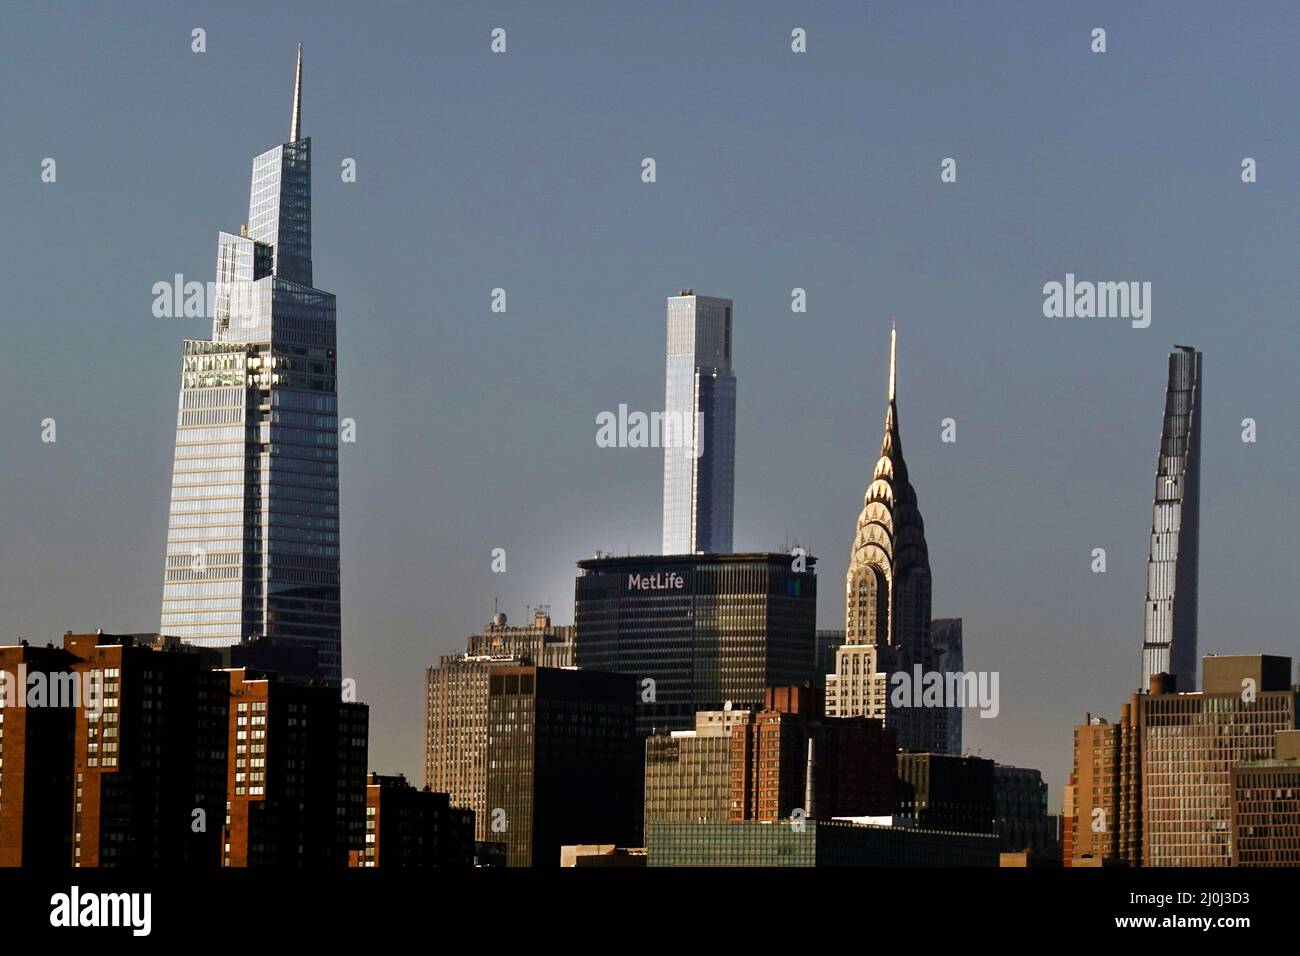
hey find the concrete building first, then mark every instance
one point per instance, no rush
(539, 642)
(1266, 806)
(1191, 744)
(687, 772)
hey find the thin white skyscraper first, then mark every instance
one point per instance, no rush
(699, 438)
(1169, 620)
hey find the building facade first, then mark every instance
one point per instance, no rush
(687, 772)
(946, 792)
(1191, 744)
(700, 426)
(564, 761)
(1266, 806)
(36, 747)
(789, 760)
(540, 642)
(1169, 624)
(697, 632)
(296, 788)
(253, 530)
(407, 828)
(1020, 814)
(150, 761)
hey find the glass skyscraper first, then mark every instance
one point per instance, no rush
(253, 531)
(1169, 626)
(699, 436)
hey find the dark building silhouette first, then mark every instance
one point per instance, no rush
(406, 827)
(564, 762)
(946, 792)
(1020, 814)
(297, 777)
(150, 764)
(36, 775)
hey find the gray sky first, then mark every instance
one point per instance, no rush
(775, 170)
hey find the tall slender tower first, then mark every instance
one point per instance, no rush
(1169, 626)
(253, 532)
(699, 437)
(887, 600)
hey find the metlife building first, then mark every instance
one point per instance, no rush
(697, 631)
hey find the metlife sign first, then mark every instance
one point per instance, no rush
(659, 581)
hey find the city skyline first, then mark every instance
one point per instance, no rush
(1013, 507)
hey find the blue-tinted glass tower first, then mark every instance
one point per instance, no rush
(253, 530)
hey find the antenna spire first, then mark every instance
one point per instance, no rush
(893, 357)
(295, 127)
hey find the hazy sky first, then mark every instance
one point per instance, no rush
(775, 170)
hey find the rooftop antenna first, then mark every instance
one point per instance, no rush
(893, 355)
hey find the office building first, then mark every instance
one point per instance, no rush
(687, 775)
(699, 434)
(946, 792)
(1266, 806)
(564, 761)
(1020, 815)
(296, 788)
(540, 642)
(1191, 744)
(253, 532)
(406, 827)
(697, 632)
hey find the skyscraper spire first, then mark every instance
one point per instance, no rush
(295, 126)
(893, 356)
